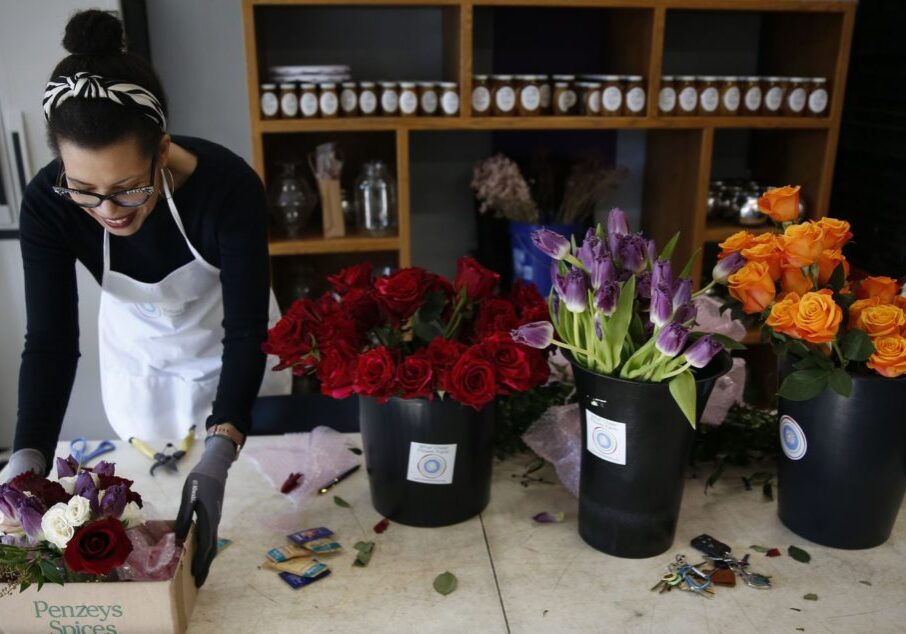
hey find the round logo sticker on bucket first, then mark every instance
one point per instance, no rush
(606, 438)
(792, 438)
(431, 464)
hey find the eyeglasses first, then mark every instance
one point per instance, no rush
(133, 197)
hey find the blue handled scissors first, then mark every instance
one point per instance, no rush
(79, 449)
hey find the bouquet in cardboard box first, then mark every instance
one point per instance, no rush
(414, 334)
(75, 528)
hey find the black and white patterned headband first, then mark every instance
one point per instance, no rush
(87, 86)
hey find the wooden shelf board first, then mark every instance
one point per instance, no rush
(720, 230)
(315, 245)
(386, 124)
(717, 5)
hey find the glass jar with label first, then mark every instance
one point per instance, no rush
(308, 100)
(635, 96)
(449, 98)
(564, 98)
(529, 96)
(751, 95)
(270, 103)
(349, 99)
(428, 100)
(368, 98)
(588, 94)
(611, 95)
(686, 95)
(328, 101)
(544, 92)
(390, 99)
(503, 95)
(817, 96)
(796, 97)
(730, 96)
(774, 92)
(708, 95)
(666, 96)
(481, 96)
(408, 99)
(289, 101)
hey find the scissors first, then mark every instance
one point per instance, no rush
(168, 457)
(79, 450)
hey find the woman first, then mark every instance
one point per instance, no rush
(174, 231)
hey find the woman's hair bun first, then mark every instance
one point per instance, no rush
(94, 32)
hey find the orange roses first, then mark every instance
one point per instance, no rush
(818, 317)
(881, 320)
(765, 248)
(753, 286)
(883, 287)
(828, 262)
(803, 244)
(794, 281)
(889, 357)
(836, 232)
(783, 315)
(780, 204)
(736, 243)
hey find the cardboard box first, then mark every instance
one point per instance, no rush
(105, 608)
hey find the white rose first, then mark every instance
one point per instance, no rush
(57, 529)
(68, 484)
(132, 515)
(78, 511)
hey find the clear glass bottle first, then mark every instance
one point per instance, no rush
(292, 201)
(375, 200)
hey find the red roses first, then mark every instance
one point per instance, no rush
(98, 547)
(413, 334)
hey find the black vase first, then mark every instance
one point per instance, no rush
(842, 471)
(429, 462)
(635, 447)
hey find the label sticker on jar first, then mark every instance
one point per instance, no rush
(796, 99)
(731, 99)
(367, 102)
(753, 99)
(309, 104)
(449, 102)
(329, 103)
(666, 99)
(431, 464)
(429, 102)
(817, 101)
(566, 100)
(348, 100)
(544, 94)
(612, 98)
(408, 102)
(606, 438)
(269, 104)
(635, 99)
(774, 99)
(481, 99)
(390, 101)
(792, 438)
(688, 99)
(505, 99)
(709, 99)
(530, 98)
(289, 105)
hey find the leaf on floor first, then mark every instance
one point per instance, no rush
(445, 583)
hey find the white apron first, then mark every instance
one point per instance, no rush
(161, 347)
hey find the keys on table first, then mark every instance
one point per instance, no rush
(684, 576)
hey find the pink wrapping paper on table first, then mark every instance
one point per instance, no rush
(155, 553)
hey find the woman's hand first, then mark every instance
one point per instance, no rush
(202, 495)
(22, 461)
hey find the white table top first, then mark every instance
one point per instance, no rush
(517, 575)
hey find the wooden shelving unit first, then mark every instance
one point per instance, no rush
(796, 37)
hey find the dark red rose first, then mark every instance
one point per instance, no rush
(494, 315)
(107, 481)
(471, 381)
(291, 339)
(337, 330)
(443, 355)
(415, 377)
(337, 372)
(440, 283)
(374, 374)
(538, 361)
(358, 276)
(47, 491)
(530, 304)
(510, 361)
(98, 547)
(402, 293)
(359, 305)
(478, 280)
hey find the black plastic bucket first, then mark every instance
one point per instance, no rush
(842, 471)
(635, 448)
(429, 462)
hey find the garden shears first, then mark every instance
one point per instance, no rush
(169, 456)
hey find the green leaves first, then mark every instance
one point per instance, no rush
(759, 549)
(688, 268)
(667, 252)
(427, 321)
(811, 596)
(803, 385)
(341, 502)
(445, 583)
(682, 388)
(727, 342)
(798, 554)
(840, 382)
(837, 278)
(617, 327)
(857, 346)
(365, 551)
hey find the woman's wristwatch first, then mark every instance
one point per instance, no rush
(228, 431)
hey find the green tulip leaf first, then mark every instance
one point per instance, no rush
(682, 387)
(811, 597)
(688, 268)
(667, 252)
(798, 554)
(341, 502)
